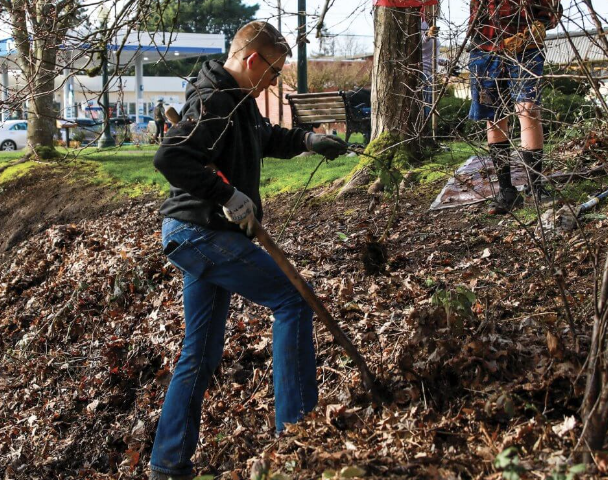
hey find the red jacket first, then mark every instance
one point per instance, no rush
(501, 19)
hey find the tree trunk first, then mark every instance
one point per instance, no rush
(41, 114)
(396, 96)
(37, 38)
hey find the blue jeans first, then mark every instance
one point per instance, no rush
(498, 81)
(427, 94)
(215, 264)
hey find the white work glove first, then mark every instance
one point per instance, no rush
(241, 209)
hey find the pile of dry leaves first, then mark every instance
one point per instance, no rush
(462, 325)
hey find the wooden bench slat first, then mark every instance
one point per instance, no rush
(320, 106)
(316, 104)
(322, 118)
(321, 111)
(313, 95)
(313, 101)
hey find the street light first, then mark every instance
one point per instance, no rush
(106, 139)
(302, 67)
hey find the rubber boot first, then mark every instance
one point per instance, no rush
(507, 197)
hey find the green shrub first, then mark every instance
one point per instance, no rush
(561, 110)
(564, 101)
(453, 117)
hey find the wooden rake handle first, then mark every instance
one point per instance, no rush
(307, 293)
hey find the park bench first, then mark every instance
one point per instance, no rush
(310, 110)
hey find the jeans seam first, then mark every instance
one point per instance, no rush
(298, 361)
(176, 230)
(231, 256)
(181, 454)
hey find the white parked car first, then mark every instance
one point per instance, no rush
(13, 135)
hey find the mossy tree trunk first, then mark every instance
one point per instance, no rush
(396, 101)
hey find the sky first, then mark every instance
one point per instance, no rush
(352, 19)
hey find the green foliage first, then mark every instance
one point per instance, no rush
(132, 174)
(443, 163)
(566, 85)
(6, 157)
(508, 462)
(15, 171)
(561, 110)
(564, 101)
(569, 473)
(192, 16)
(130, 170)
(453, 117)
(342, 236)
(457, 304)
(579, 192)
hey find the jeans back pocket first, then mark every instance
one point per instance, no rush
(189, 259)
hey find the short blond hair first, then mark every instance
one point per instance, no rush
(260, 37)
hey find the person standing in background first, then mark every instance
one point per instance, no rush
(506, 63)
(159, 120)
(430, 39)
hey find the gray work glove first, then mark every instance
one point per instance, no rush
(330, 146)
(240, 209)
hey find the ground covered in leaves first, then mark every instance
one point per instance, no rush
(458, 315)
(45, 197)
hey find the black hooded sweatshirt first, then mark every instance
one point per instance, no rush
(221, 125)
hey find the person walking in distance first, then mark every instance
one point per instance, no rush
(159, 120)
(212, 160)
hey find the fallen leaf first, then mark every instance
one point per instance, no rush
(568, 424)
(554, 344)
(352, 472)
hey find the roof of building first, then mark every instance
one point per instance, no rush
(152, 47)
(587, 43)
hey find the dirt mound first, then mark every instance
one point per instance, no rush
(45, 197)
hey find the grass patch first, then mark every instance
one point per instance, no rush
(134, 175)
(443, 164)
(526, 214)
(279, 175)
(579, 192)
(129, 169)
(6, 157)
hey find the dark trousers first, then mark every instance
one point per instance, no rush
(160, 129)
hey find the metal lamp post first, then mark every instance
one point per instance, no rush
(106, 139)
(302, 70)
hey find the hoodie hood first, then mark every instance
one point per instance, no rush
(213, 76)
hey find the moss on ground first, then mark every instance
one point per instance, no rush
(15, 171)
